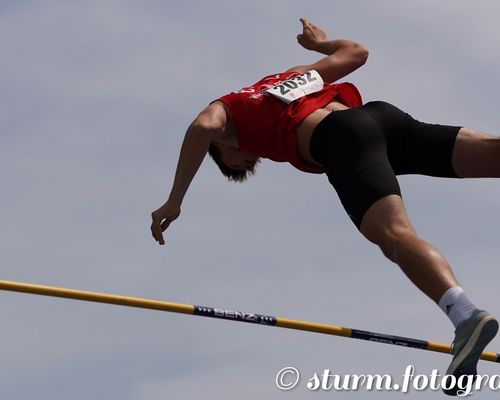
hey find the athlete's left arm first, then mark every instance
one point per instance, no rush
(342, 56)
(208, 125)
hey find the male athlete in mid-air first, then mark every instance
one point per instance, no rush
(300, 116)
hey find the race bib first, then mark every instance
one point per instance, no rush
(297, 87)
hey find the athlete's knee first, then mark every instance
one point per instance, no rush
(387, 225)
(476, 154)
(385, 220)
(395, 239)
(401, 242)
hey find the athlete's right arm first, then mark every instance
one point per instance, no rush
(342, 56)
(210, 123)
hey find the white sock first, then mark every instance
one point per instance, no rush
(456, 305)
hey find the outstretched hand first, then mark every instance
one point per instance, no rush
(162, 218)
(311, 35)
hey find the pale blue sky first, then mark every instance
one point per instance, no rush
(96, 97)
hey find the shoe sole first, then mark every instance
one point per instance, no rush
(484, 332)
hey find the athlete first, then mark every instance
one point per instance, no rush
(300, 116)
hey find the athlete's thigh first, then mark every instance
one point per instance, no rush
(476, 154)
(351, 146)
(415, 147)
(424, 149)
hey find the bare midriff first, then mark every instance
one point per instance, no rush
(306, 129)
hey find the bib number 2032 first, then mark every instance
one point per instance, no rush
(297, 87)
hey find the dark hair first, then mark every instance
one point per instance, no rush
(231, 174)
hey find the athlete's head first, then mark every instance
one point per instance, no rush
(234, 164)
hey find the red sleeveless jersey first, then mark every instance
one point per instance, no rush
(266, 126)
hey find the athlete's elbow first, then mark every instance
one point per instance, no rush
(361, 54)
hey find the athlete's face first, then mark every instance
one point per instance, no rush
(237, 159)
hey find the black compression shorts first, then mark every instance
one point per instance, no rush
(363, 149)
